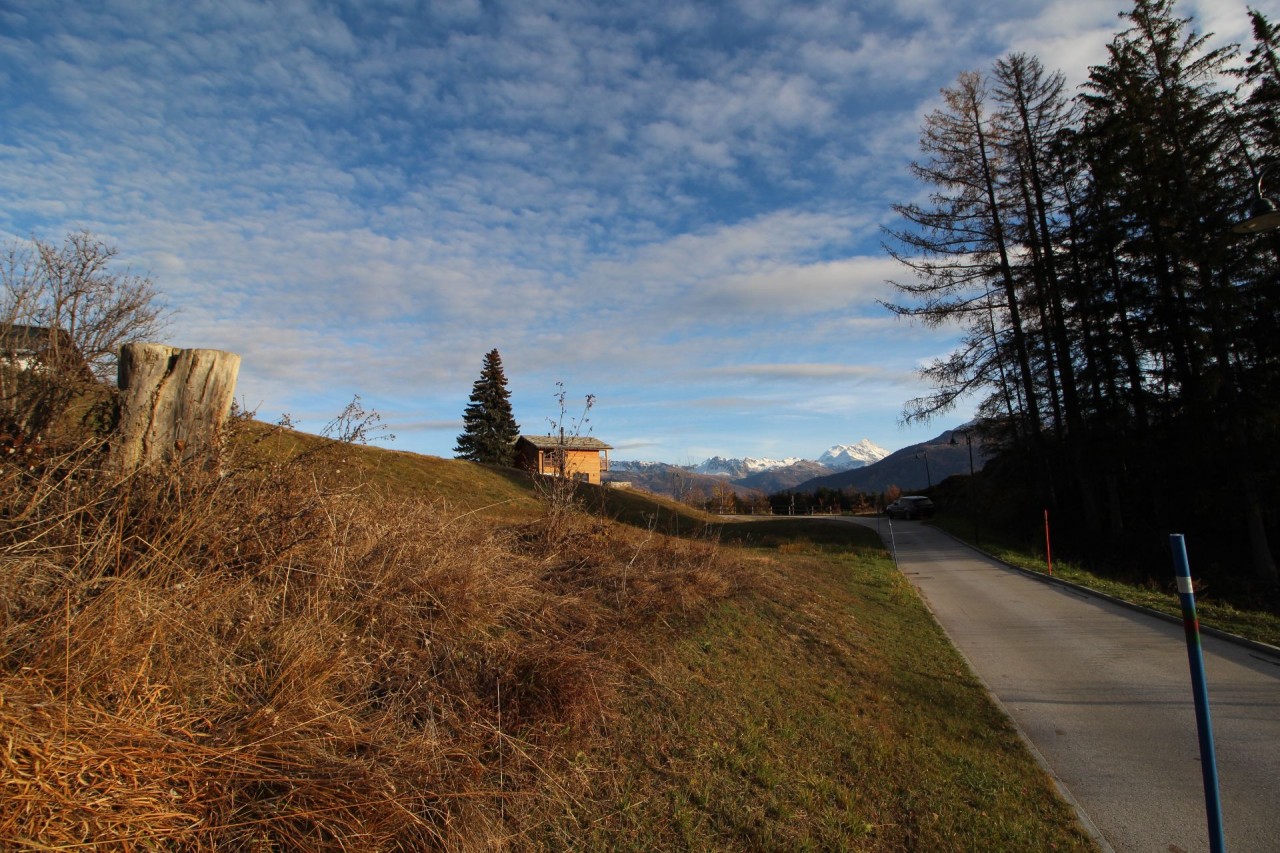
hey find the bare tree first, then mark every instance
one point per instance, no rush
(72, 295)
(65, 311)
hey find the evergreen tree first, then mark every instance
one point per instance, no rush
(489, 430)
(1261, 109)
(961, 248)
(1108, 314)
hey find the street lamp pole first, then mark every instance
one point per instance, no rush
(924, 454)
(1266, 210)
(968, 440)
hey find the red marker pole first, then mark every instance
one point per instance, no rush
(1048, 552)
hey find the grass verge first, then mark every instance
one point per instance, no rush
(1161, 596)
(821, 710)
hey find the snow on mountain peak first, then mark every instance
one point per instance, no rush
(736, 469)
(846, 456)
(841, 457)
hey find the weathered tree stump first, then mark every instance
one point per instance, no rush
(173, 403)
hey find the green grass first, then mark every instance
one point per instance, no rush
(504, 494)
(466, 487)
(639, 508)
(823, 710)
(1257, 625)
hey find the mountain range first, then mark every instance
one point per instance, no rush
(863, 466)
(840, 457)
(912, 468)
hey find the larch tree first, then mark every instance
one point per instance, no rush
(960, 248)
(489, 430)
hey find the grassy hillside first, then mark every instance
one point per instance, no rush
(325, 647)
(462, 486)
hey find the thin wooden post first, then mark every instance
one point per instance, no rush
(1048, 548)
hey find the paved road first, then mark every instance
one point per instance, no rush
(1104, 694)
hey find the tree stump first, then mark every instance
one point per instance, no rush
(173, 403)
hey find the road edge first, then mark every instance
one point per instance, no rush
(1086, 822)
(1208, 630)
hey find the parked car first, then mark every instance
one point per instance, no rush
(911, 506)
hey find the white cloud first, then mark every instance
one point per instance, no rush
(802, 372)
(639, 199)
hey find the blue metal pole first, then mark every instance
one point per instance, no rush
(1199, 687)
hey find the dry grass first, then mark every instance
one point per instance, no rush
(260, 659)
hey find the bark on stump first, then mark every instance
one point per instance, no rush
(173, 403)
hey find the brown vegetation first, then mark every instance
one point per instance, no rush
(262, 658)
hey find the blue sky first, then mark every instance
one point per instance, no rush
(675, 207)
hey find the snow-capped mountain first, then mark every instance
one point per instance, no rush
(736, 469)
(841, 457)
(622, 465)
(864, 466)
(844, 457)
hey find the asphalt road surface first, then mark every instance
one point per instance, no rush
(1104, 695)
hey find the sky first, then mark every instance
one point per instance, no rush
(674, 207)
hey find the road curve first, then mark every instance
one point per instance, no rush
(1104, 695)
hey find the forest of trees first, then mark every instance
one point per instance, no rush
(1121, 338)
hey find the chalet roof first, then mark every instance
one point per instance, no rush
(20, 338)
(569, 442)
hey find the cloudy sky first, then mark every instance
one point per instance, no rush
(675, 207)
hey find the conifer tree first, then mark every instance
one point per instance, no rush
(489, 430)
(1261, 109)
(960, 247)
(1107, 308)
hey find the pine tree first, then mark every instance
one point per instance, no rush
(489, 430)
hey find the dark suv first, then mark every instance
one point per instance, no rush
(913, 506)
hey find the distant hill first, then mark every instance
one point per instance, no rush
(781, 479)
(747, 477)
(867, 468)
(906, 468)
(673, 481)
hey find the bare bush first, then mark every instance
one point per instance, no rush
(355, 425)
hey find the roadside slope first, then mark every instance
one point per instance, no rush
(822, 709)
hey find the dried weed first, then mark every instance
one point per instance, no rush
(254, 659)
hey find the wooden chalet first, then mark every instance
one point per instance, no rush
(578, 457)
(41, 348)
